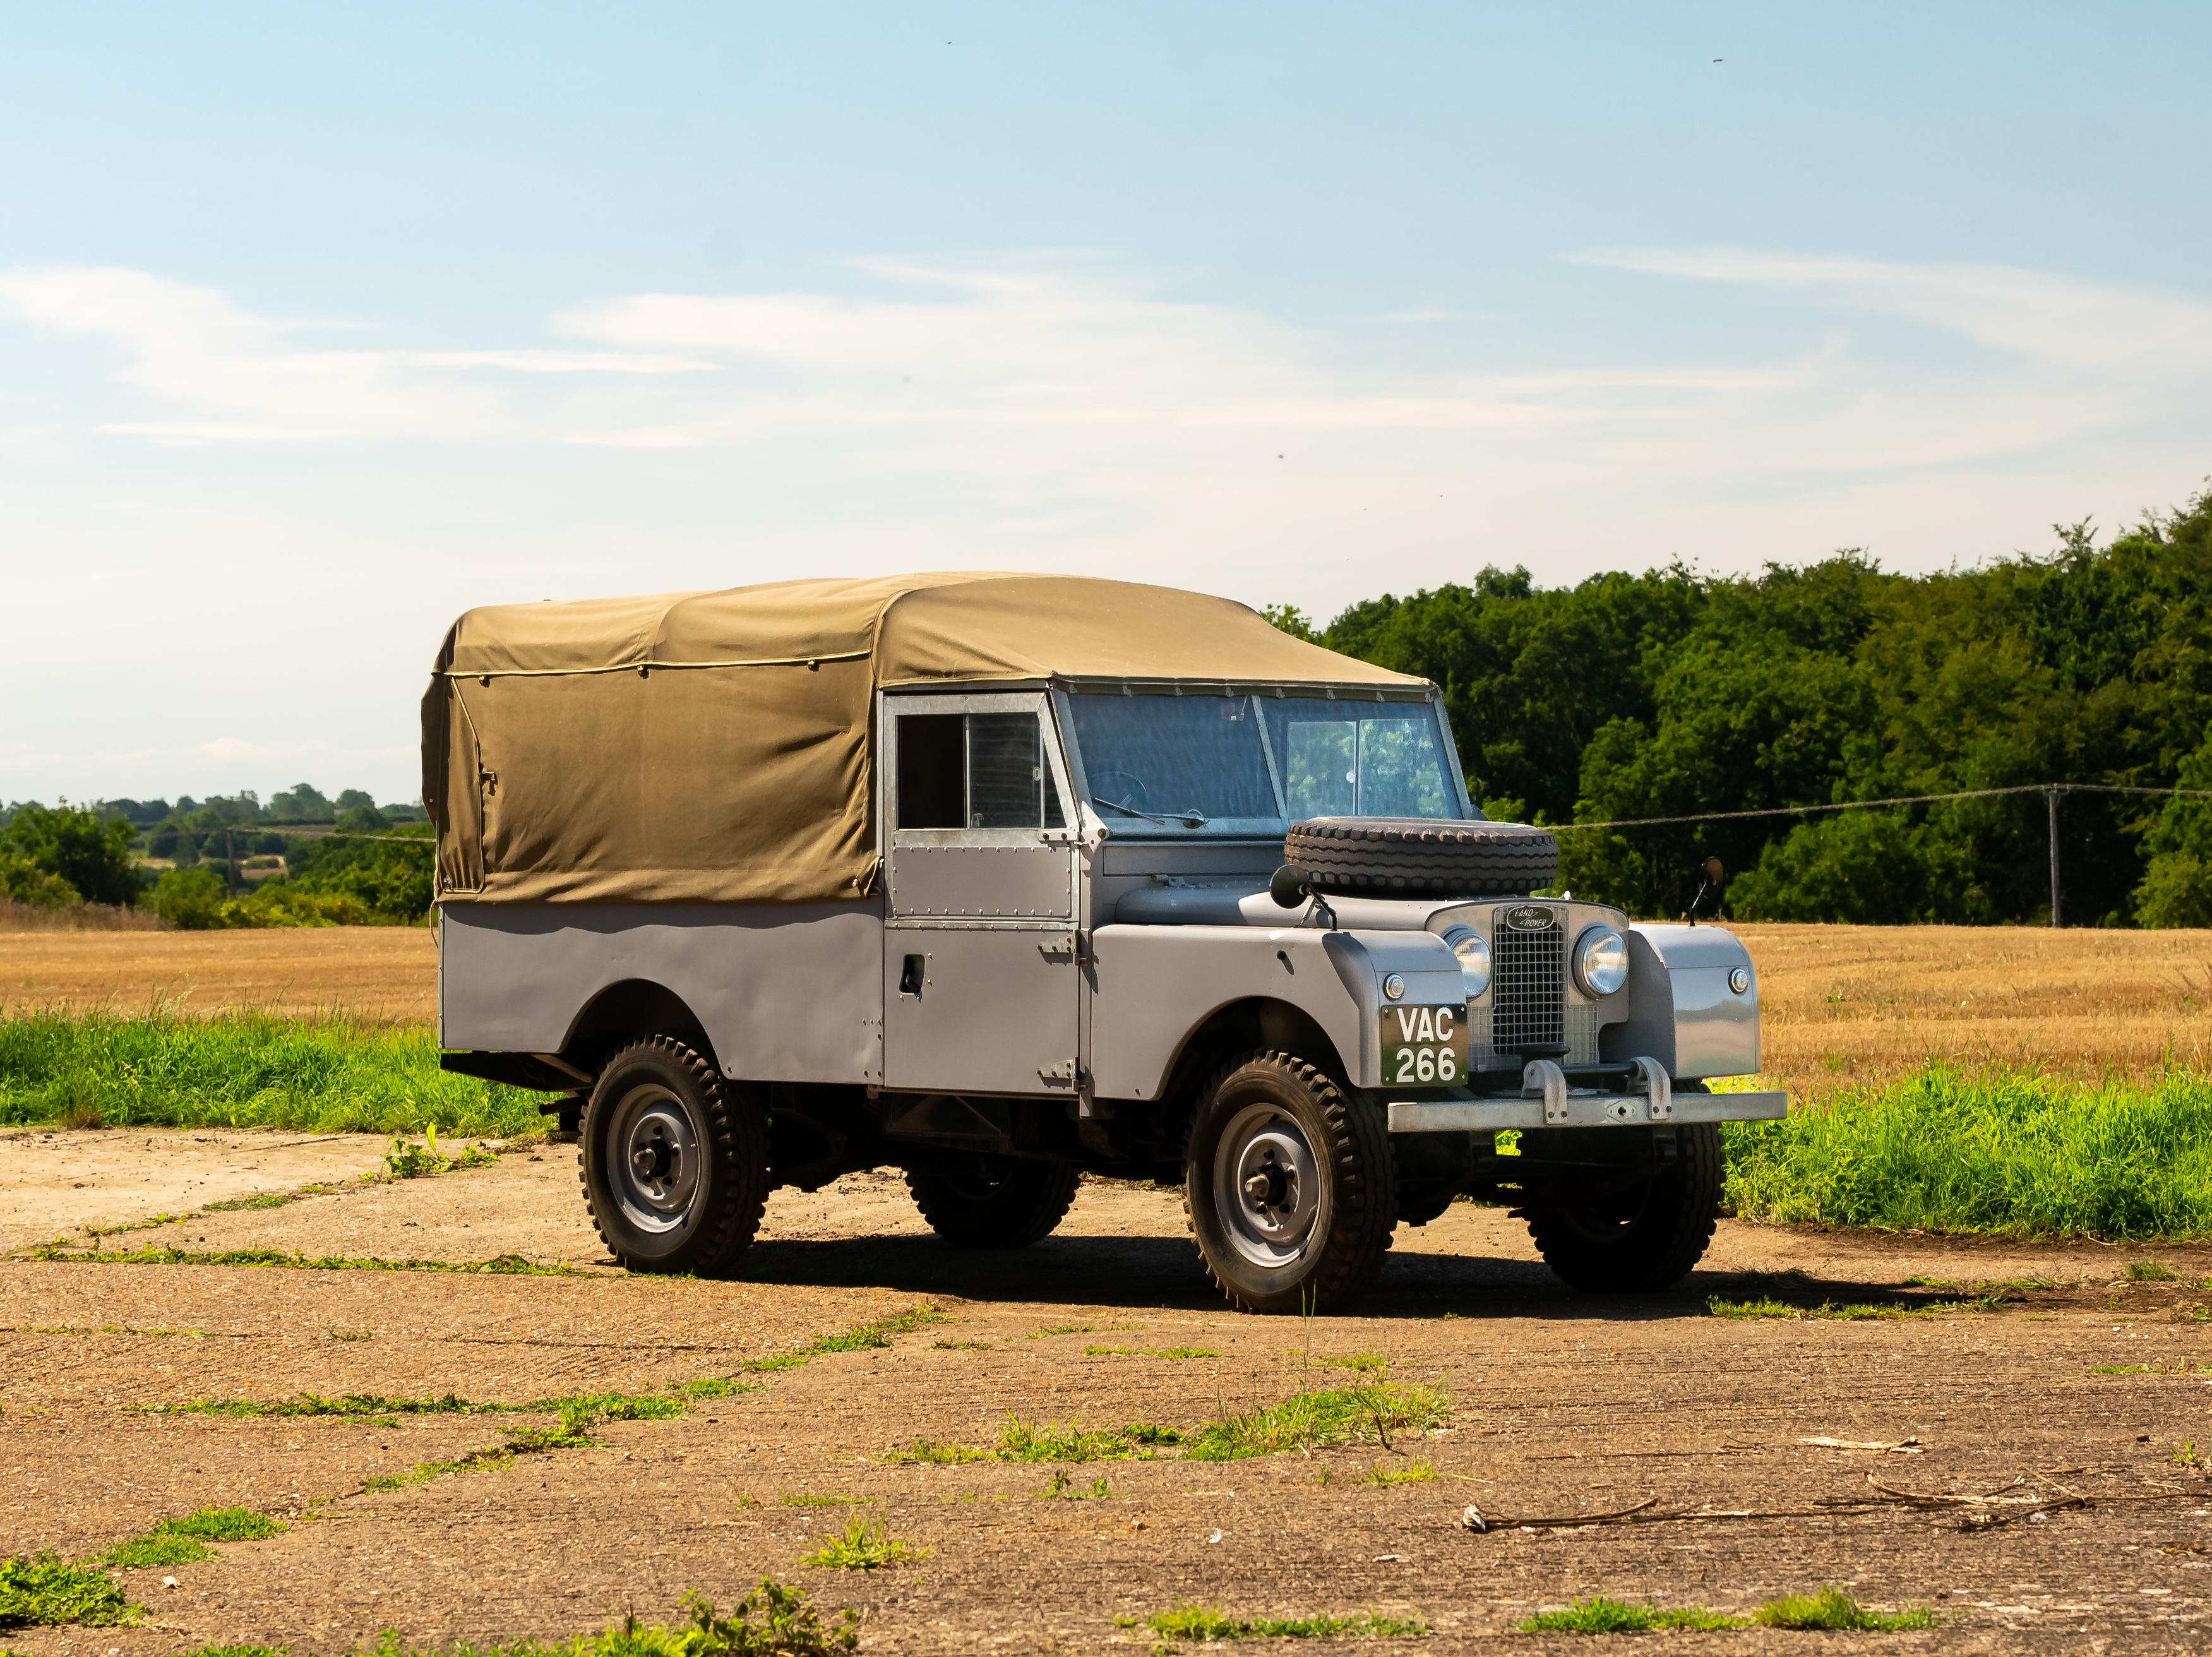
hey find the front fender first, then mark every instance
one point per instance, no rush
(1682, 1010)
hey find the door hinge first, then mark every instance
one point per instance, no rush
(1068, 946)
(1065, 1074)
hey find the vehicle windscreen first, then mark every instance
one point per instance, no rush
(1200, 761)
(1342, 759)
(1186, 760)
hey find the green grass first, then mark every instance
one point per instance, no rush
(1826, 1608)
(865, 1544)
(1187, 1621)
(1831, 1608)
(1063, 1441)
(502, 1264)
(2023, 1155)
(1854, 1312)
(183, 1541)
(938, 1453)
(42, 1589)
(772, 1621)
(1376, 1412)
(1599, 1614)
(328, 1075)
(2151, 1271)
(1412, 1472)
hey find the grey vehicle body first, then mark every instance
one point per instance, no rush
(1056, 978)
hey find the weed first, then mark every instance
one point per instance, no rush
(713, 1387)
(1151, 1435)
(1857, 1312)
(1415, 1472)
(866, 1543)
(1599, 1614)
(1062, 1441)
(1310, 1420)
(1113, 1352)
(2151, 1271)
(963, 1346)
(353, 1334)
(2181, 1367)
(1187, 1352)
(267, 1199)
(1830, 1607)
(937, 1453)
(773, 1621)
(1189, 1622)
(1365, 1363)
(2185, 1454)
(238, 1651)
(1057, 1489)
(862, 1337)
(352, 1404)
(43, 1589)
(412, 1162)
(183, 1541)
(800, 1499)
(503, 1264)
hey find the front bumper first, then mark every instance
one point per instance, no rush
(1582, 1110)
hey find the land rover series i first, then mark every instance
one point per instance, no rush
(1000, 878)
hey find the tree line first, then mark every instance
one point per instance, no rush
(1673, 693)
(230, 860)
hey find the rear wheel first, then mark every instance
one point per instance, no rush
(1644, 1237)
(1289, 1185)
(674, 1160)
(994, 1202)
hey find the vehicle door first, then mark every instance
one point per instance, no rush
(980, 942)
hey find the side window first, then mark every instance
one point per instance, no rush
(975, 771)
(932, 771)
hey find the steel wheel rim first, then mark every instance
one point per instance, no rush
(1267, 1187)
(653, 1160)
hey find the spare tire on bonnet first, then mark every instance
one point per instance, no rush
(1421, 857)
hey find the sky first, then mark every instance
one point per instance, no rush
(319, 325)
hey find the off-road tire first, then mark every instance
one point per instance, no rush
(731, 1183)
(1355, 1208)
(1420, 1201)
(1421, 857)
(995, 1202)
(1641, 1239)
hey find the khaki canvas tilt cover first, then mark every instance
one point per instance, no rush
(716, 747)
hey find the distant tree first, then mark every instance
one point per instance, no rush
(77, 844)
(1289, 618)
(189, 899)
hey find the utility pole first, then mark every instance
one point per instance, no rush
(2053, 797)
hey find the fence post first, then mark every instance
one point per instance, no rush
(2052, 795)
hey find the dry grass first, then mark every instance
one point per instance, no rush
(375, 975)
(1849, 1005)
(78, 918)
(1842, 1004)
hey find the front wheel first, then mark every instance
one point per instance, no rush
(1290, 1186)
(674, 1160)
(1644, 1238)
(994, 1202)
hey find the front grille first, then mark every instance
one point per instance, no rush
(1528, 983)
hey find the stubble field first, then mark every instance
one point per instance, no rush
(2043, 1403)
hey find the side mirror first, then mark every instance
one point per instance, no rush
(1712, 867)
(1288, 887)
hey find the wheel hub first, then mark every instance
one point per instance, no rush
(1267, 1187)
(654, 1159)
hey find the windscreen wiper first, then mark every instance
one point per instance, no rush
(1193, 818)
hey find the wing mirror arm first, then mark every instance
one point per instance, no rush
(1289, 888)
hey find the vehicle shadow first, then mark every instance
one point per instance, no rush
(1164, 1272)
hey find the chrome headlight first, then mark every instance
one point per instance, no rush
(1472, 949)
(1601, 961)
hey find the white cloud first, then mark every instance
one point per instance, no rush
(2034, 313)
(246, 380)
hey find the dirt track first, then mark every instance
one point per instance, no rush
(1563, 1405)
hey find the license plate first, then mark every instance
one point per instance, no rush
(1424, 1046)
